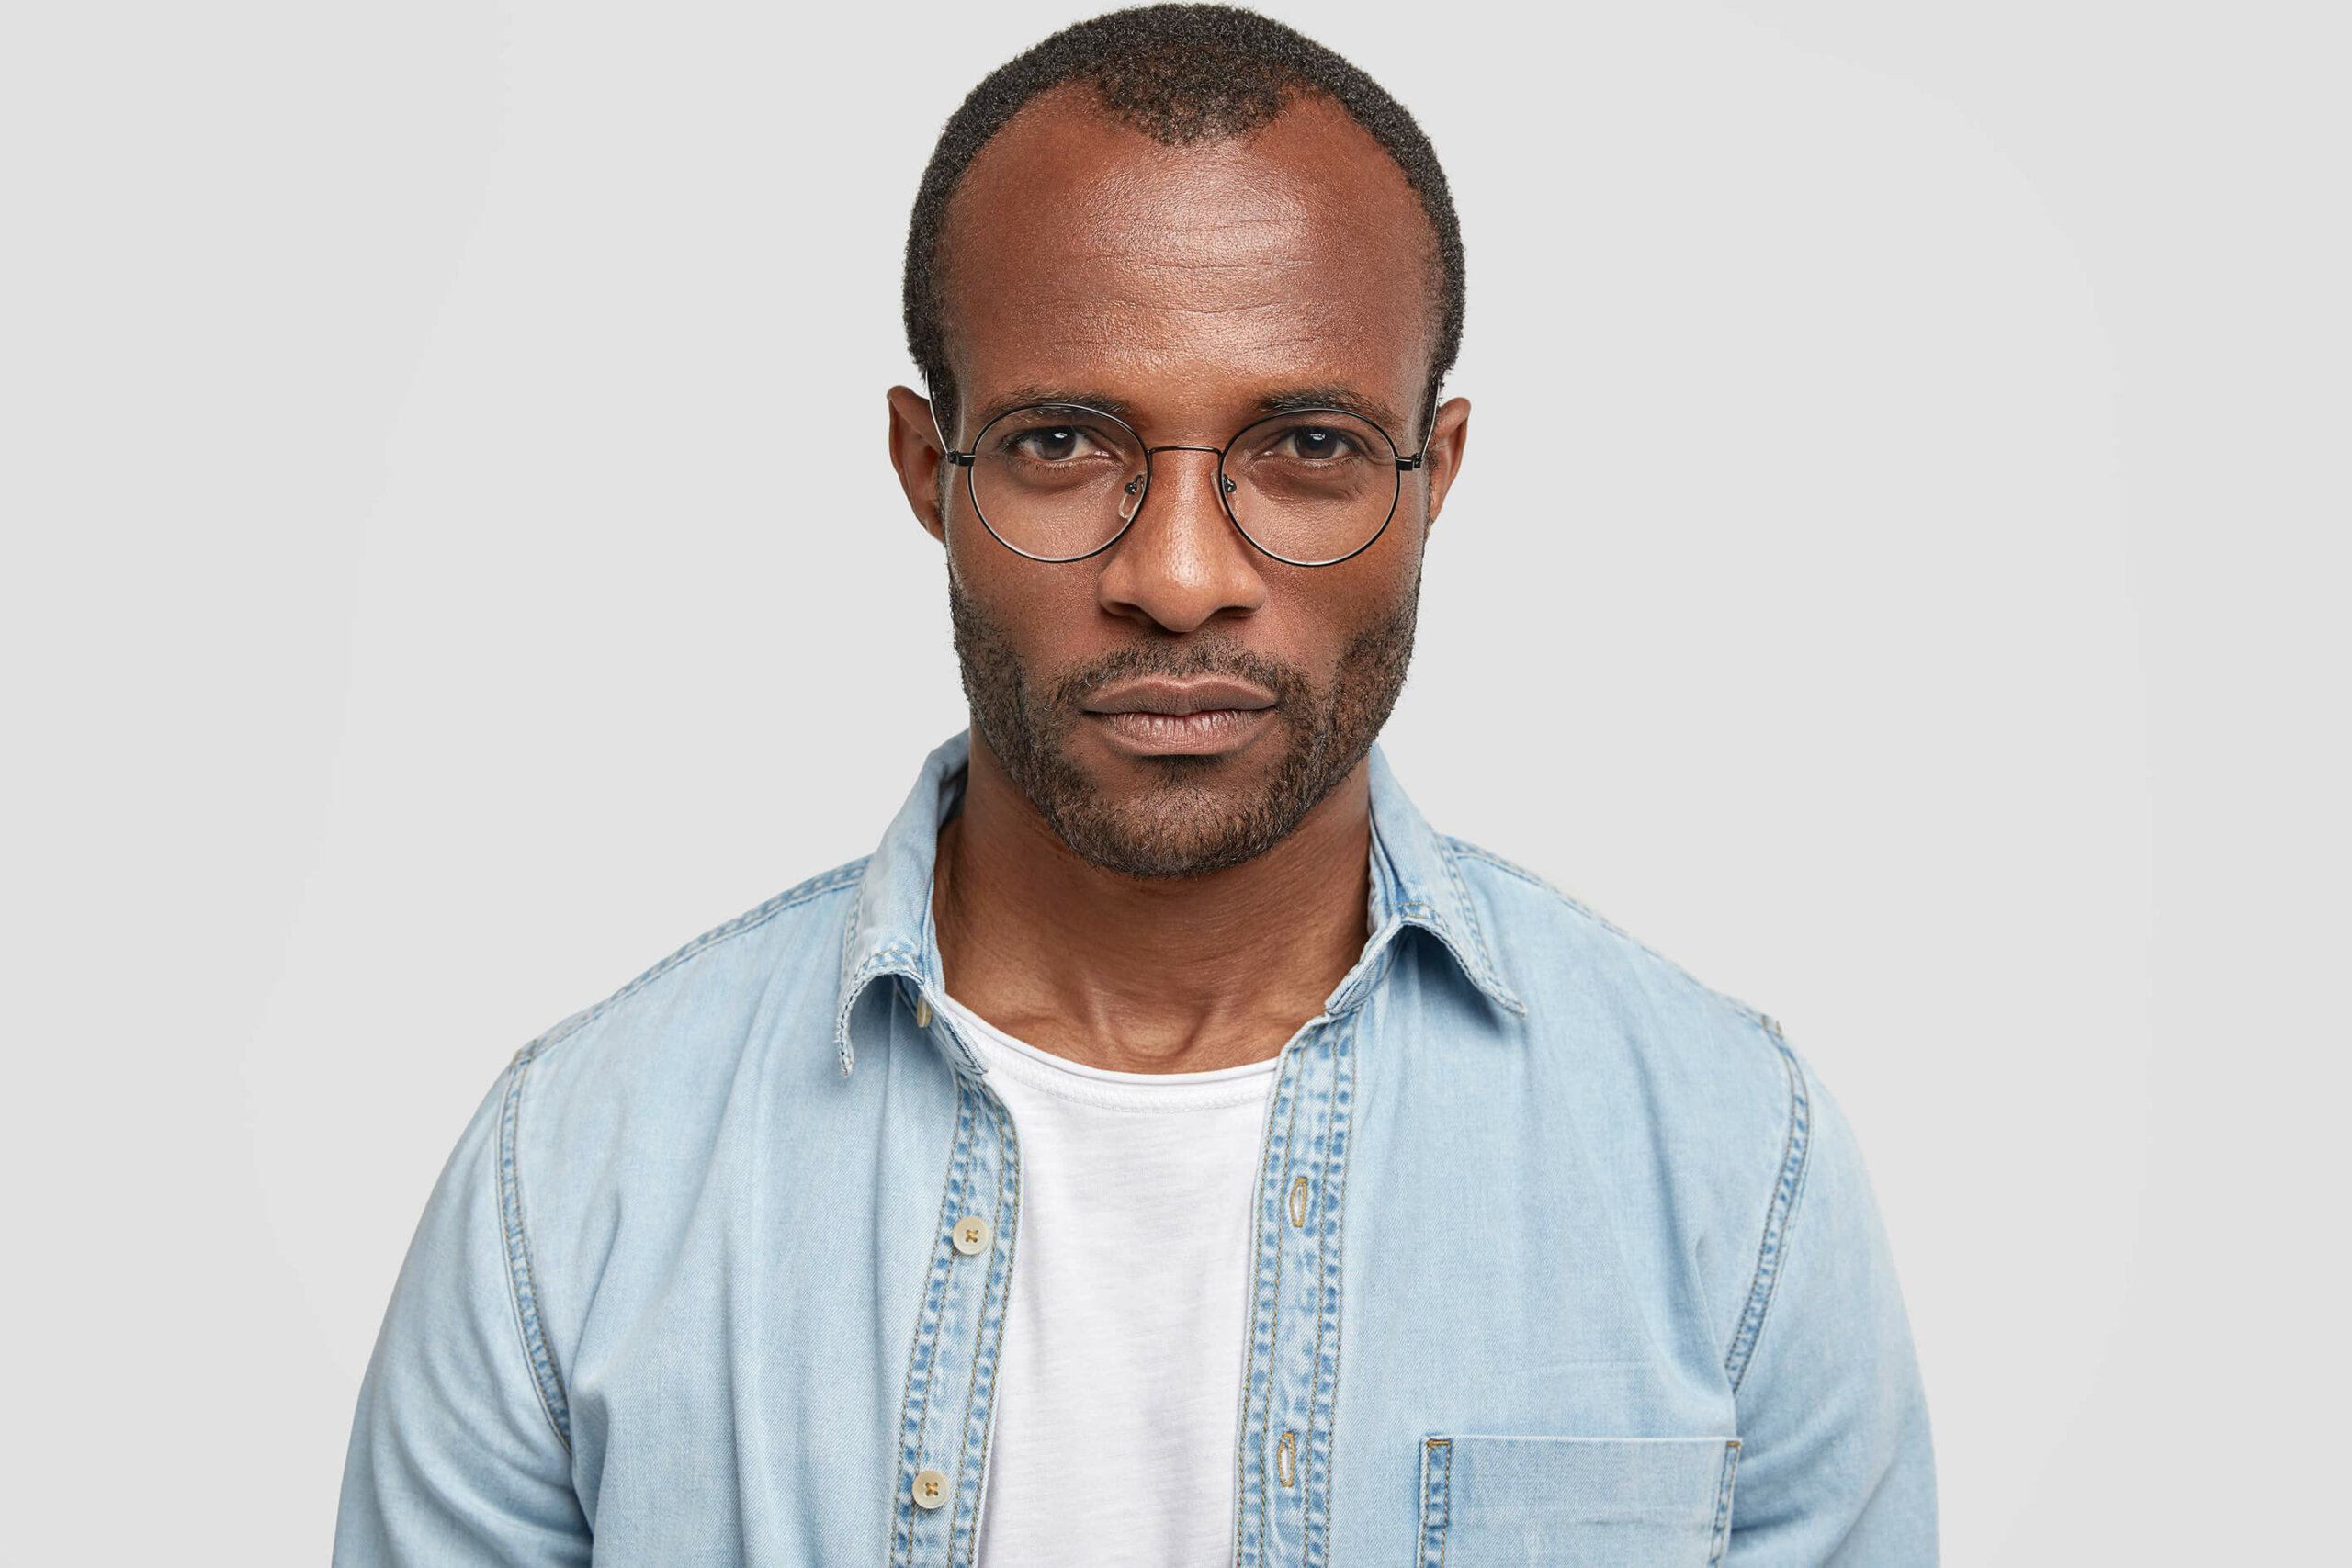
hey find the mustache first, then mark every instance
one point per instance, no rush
(1177, 662)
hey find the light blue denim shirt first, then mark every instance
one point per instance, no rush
(1559, 1257)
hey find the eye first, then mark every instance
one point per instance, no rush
(1318, 444)
(1053, 443)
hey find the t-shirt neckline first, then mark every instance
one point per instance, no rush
(1106, 1087)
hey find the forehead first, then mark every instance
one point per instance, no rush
(1083, 256)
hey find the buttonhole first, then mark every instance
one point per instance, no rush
(1298, 1202)
(1286, 1458)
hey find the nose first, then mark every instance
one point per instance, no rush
(1181, 562)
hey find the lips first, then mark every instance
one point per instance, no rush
(1161, 717)
(1161, 694)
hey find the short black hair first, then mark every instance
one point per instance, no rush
(1181, 74)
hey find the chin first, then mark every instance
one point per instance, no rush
(1186, 816)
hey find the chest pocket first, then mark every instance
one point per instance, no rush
(1576, 1502)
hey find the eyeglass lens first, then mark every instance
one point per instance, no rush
(1058, 483)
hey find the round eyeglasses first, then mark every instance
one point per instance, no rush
(1062, 482)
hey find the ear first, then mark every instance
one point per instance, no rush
(1449, 434)
(916, 451)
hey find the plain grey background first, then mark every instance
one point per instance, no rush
(451, 561)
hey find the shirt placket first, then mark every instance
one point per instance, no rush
(959, 1335)
(1291, 1370)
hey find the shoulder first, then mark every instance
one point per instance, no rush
(600, 1130)
(1711, 1119)
(1588, 979)
(663, 1048)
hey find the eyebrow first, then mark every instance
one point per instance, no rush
(1285, 400)
(1025, 397)
(1344, 399)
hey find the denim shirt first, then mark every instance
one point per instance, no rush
(1558, 1256)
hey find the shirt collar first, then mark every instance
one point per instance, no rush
(1417, 881)
(1414, 882)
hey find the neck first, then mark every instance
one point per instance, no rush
(1147, 974)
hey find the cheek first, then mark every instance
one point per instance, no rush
(1045, 611)
(1329, 606)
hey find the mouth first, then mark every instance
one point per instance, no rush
(1159, 716)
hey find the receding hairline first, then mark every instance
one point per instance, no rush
(1081, 100)
(1181, 72)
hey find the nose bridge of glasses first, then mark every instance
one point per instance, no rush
(1133, 501)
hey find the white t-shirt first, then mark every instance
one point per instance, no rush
(1121, 1378)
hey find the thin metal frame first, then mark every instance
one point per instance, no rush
(1224, 485)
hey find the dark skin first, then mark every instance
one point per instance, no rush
(1191, 288)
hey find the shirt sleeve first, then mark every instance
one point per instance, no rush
(1836, 1469)
(456, 1454)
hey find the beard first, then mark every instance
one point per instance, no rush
(1199, 813)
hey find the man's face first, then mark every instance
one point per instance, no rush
(1179, 703)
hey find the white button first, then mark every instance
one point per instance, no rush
(971, 1234)
(931, 1490)
(923, 1014)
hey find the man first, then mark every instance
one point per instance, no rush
(1165, 1148)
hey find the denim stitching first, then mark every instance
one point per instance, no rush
(851, 927)
(979, 1331)
(1392, 891)
(1482, 978)
(943, 1252)
(1482, 972)
(522, 1285)
(1010, 1239)
(1274, 1325)
(1338, 1217)
(1250, 1344)
(1772, 1248)
(880, 963)
(1330, 1275)
(1471, 852)
(935, 1302)
(1477, 935)
(1722, 1501)
(1285, 1084)
(963, 1542)
(1796, 1149)
(1322, 1281)
(1437, 1499)
(751, 920)
(913, 1421)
